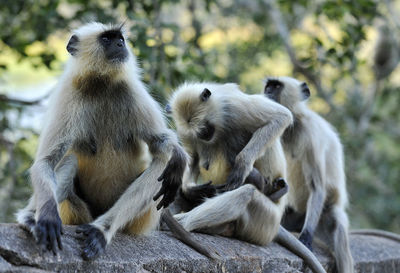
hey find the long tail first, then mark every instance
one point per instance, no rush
(185, 236)
(286, 239)
(377, 233)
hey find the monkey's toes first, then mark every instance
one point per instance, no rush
(93, 243)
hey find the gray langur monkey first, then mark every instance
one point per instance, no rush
(314, 155)
(102, 149)
(232, 138)
(387, 51)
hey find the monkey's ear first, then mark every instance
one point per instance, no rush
(72, 45)
(205, 94)
(305, 91)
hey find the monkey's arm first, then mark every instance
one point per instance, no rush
(312, 170)
(47, 230)
(274, 120)
(137, 198)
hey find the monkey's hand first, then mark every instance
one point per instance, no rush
(93, 241)
(235, 180)
(170, 185)
(198, 193)
(48, 228)
(171, 178)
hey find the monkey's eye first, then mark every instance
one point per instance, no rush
(273, 86)
(105, 39)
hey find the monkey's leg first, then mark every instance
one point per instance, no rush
(73, 210)
(218, 210)
(263, 225)
(138, 197)
(333, 230)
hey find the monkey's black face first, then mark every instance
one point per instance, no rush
(207, 132)
(114, 46)
(273, 89)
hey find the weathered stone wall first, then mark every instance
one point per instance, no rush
(160, 252)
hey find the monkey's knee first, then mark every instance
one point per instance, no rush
(244, 193)
(145, 223)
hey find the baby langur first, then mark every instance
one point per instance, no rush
(102, 149)
(314, 157)
(233, 138)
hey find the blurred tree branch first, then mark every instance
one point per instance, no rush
(10, 180)
(7, 99)
(284, 33)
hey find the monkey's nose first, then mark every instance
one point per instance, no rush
(119, 44)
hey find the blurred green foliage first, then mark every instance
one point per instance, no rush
(239, 41)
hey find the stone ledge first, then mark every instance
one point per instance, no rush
(160, 252)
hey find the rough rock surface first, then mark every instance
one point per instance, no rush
(161, 252)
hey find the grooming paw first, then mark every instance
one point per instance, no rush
(198, 193)
(171, 180)
(93, 241)
(234, 180)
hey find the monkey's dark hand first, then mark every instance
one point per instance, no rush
(198, 193)
(235, 180)
(171, 179)
(170, 185)
(93, 241)
(48, 228)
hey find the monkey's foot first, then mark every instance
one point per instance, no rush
(306, 239)
(28, 224)
(93, 241)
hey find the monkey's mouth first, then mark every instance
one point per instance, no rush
(118, 57)
(207, 132)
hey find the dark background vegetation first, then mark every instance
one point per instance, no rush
(346, 50)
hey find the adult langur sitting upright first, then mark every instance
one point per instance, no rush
(102, 149)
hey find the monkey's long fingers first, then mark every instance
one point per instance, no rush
(59, 231)
(51, 240)
(159, 193)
